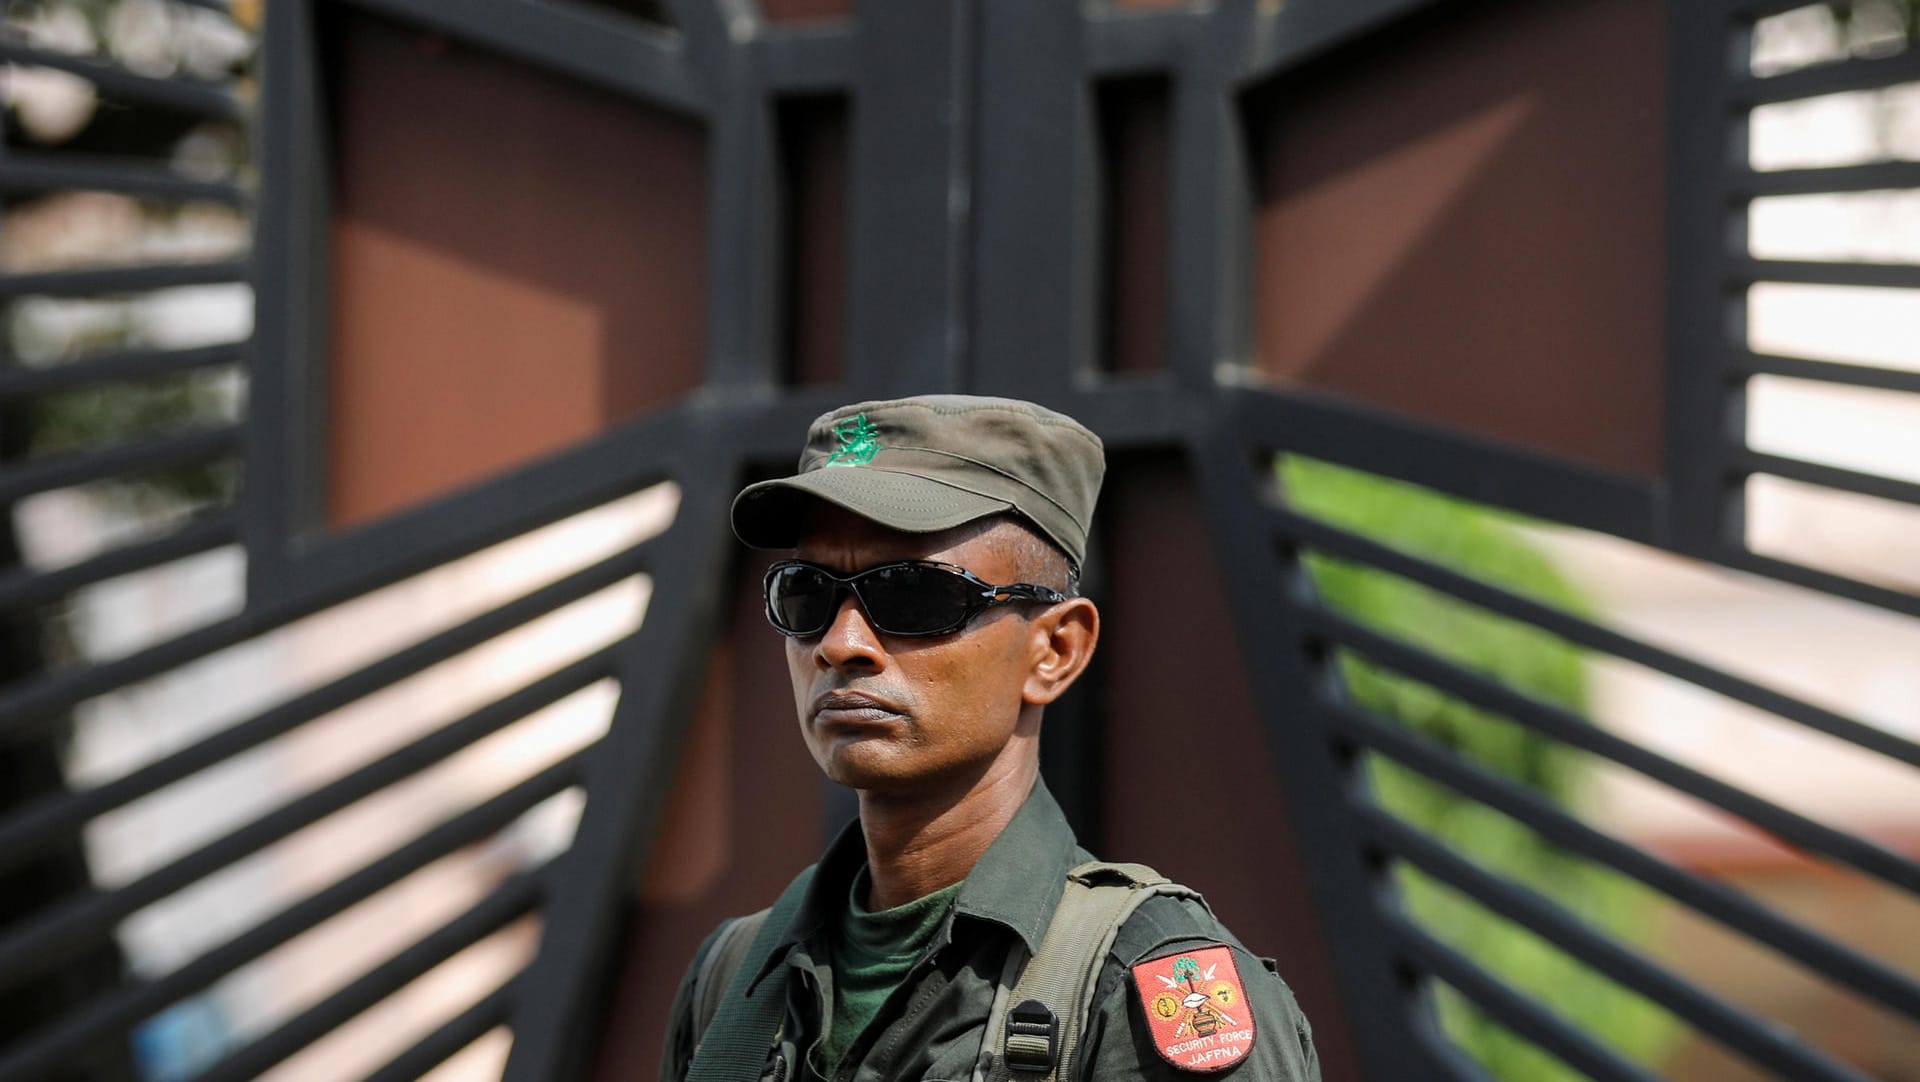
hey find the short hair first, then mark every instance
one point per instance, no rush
(1036, 558)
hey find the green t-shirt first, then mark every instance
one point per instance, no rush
(872, 953)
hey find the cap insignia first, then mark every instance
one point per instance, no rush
(859, 442)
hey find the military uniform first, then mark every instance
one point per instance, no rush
(932, 1025)
(1174, 993)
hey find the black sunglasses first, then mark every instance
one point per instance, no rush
(910, 597)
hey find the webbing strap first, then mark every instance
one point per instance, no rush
(734, 1047)
(718, 967)
(1097, 900)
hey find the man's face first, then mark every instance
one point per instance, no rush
(882, 712)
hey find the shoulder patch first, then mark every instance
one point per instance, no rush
(1193, 1003)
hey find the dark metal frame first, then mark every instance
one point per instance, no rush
(974, 255)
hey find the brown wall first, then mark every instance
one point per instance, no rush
(1464, 224)
(519, 263)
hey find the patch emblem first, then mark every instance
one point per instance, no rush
(859, 442)
(1193, 1002)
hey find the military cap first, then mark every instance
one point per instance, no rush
(930, 463)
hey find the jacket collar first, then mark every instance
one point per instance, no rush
(1016, 883)
(1018, 880)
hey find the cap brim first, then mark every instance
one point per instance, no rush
(771, 514)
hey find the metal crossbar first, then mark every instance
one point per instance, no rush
(115, 1013)
(1716, 901)
(35, 826)
(184, 95)
(1514, 1010)
(1345, 545)
(39, 475)
(1872, 176)
(1764, 1045)
(34, 172)
(35, 945)
(89, 281)
(26, 383)
(23, 587)
(453, 1035)
(507, 903)
(1834, 477)
(1853, 375)
(1572, 729)
(1837, 77)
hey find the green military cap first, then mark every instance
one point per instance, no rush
(930, 463)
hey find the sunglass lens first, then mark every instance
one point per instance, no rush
(911, 600)
(800, 600)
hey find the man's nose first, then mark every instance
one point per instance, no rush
(850, 640)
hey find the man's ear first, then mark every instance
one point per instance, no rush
(1061, 641)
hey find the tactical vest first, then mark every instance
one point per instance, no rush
(1039, 1009)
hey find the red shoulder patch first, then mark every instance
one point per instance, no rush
(1194, 1002)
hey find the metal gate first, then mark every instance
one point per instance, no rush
(1113, 210)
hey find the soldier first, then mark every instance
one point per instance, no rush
(956, 930)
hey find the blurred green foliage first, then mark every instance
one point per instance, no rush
(1854, 16)
(111, 413)
(1485, 545)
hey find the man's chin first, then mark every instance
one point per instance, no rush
(891, 776)
(856, 772)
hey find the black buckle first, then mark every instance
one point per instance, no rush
(1033, 1037)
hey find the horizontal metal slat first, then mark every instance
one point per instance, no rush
(182, 95)
(34, 945)
(456, 1033)
(22, 479)
(803, 59)
(1334, 541)
(1120, 41)
(1455, 1065)
(1714, 900)
(1297, 33)
(95, 280)
(30, 172)
(24, 587)
(1873, 176)
(1826, 582)
(19, 382)
(1327, 427)
(1821, 273)
(627, 56)
(1853, 375)
(1869, 73)
(111, 1015)
(1835, 477)
(1514, 1010)
(506, 903)
(30, 828)
(1570, 728)
(1762, 1042)
(40, 699)
(1759, 9)
(36, 701)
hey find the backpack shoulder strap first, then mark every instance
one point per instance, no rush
(1037, 1038)
(717, 968)
(732, 1045)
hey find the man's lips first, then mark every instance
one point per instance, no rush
(848, 707)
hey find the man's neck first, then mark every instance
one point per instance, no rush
(919, 844)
